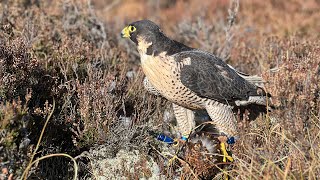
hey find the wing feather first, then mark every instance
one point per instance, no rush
(210, 77)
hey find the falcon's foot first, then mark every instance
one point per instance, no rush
(223, 147)
(178, 144)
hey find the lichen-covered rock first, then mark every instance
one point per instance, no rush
(126, 164)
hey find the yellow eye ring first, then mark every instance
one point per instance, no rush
(132, 28)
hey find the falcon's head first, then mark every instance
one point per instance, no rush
(150, 39)
(144, 29)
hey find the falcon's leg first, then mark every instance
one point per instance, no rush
(222, 117)
(185, 123)
(224, 120)
(185, 120)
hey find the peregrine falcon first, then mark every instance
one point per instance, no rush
(192, 79)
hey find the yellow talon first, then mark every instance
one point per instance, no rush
(225, 153)
(176, 142)
(223, 148)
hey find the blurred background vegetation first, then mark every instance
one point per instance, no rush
(72, 51)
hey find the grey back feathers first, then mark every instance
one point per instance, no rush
(210, 77)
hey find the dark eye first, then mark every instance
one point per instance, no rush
(132, 28)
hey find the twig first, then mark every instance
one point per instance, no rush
(25, 172)
(75, 165)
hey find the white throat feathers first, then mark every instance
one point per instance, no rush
(143, 45)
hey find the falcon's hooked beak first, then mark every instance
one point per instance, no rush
(125, 32)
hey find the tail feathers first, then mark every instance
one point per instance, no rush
(257, 100)
(254, 106)
(256, 80)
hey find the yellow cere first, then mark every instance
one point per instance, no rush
(127, 31)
